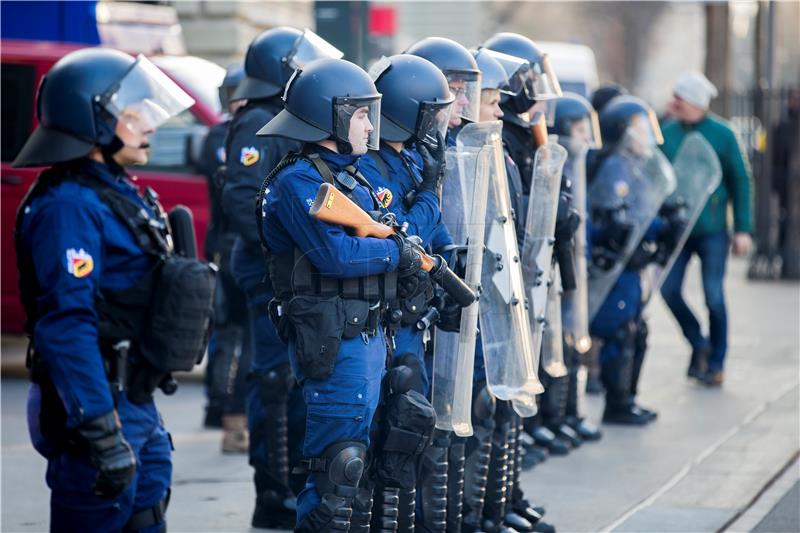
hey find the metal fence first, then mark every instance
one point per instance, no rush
(768, 122)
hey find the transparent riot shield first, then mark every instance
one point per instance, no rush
(537, 249)
(575, 303)
(464, 190)
(506, 339)
(697, 175)
(625, 195)
(552, 343)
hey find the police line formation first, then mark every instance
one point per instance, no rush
(407, 265)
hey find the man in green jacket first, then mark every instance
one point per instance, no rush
(709, 239)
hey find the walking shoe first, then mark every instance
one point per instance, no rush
(628, 415)
(712, 378)
(697, 364)
(235, 438)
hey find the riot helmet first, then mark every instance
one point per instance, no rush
(84, 97)
(461, 71)
(274, 55)
(416, 100)
(603, 95)
(330, 99)
(576, 122)
(628, 124)
(539, 83)
(234, 75)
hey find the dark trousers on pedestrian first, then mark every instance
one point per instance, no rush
(712, 250)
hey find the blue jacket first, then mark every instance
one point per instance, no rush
(404, 176)
(79, 248)
(249, 159)
(287, 224)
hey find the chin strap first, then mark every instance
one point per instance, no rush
(343, 147)
(108, 152)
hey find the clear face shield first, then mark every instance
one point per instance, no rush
(432, 122)
(145, 97)
(585, 133)
(466, 90)
(543, 110)
(643, 134)
(542, 80)
(308, 47)
(357, 121)
(516, 70)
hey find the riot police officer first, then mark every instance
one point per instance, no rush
(271, 58)
(229, 352)
(577, 128)
(331, 287)
(463, 77)
(446, 451)
(628, 187)
(97, 271)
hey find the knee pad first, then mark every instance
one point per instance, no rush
(339, 469)
(415, 372)
(275, 385)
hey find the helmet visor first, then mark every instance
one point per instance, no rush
(309, 47)
(145, 96)
(642, 134)
(466, 90)
(545, 108)
(585, 132)
(542, 82)
(357, 121)
(432, 122)
(516, 70)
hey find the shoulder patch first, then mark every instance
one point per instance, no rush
(79, 263)
(384, 196)
(249, 156)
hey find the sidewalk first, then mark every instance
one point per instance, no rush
(697, 468)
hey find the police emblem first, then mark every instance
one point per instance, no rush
(384, 196)
(621, 189)
(250, 156)
(79, 263)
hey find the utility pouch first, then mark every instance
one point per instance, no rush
(319, 324)
(356, 317)
(280, 319)
(180, 315)
(415, 307)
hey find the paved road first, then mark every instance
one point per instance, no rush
(706, 458)
(785, 516)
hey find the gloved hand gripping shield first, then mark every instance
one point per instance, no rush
(537, 249)
(575, 303)
(506, 338)
(697, 174)
(464, 189)
(625, 196)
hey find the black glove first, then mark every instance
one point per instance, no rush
(110, 453)
(410, 258)
(449, 315)
(432, 164)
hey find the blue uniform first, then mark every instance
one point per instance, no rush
(423, 217)
(249, 159)
(624, 302)
(79, 249)
(340, 407)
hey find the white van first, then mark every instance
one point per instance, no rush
(575, 66)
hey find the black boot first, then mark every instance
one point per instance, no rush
(433, 484)
(616, 374)
(455, 483)
(588, 431)
(547, 439)
(494, 510)
(478, 454)
(640, 348)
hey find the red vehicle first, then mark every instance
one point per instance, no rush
(170, 171)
